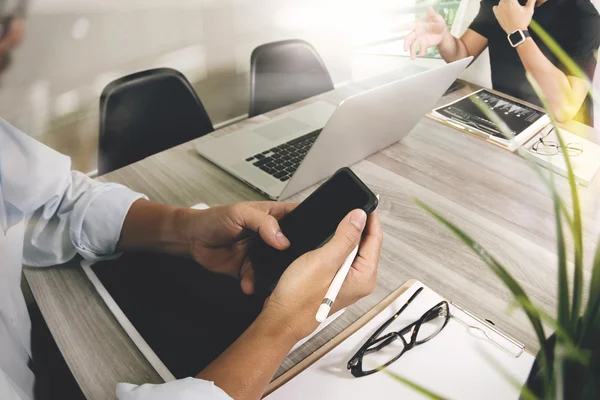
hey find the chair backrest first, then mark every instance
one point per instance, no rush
(144, 113)
(285, 72)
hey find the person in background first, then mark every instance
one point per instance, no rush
(48, 214)
(502, 26)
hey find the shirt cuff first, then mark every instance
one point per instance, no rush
(100, 219)
(183, 389)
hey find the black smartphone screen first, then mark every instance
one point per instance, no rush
(312, 223)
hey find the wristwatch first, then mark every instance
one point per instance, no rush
(518, 37)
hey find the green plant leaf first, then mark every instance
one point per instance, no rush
(577, 226)
(494, 117)
(574, 351)
(559, 374)
(564, 318)
(499, 122)
(414, 386)
(547, 318)
(592, 310)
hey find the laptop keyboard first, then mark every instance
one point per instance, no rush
(282, 161)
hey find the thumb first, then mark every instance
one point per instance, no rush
(431, 12)
(346, 238)
(530, 4)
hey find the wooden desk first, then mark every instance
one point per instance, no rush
(491, 193)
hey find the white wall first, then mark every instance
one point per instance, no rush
(75, 47)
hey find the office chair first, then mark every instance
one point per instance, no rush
(285, 72)
(147, 112)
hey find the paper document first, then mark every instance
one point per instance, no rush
(461, 362)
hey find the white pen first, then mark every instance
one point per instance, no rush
(336, 285)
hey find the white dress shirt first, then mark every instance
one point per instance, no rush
(47, 215)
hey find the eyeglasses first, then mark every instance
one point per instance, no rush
(386, 346)
(545, 147)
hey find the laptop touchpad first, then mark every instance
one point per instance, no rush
(282, 128)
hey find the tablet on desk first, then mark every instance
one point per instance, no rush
(521, 120)
(179, 315)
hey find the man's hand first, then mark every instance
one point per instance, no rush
(219, 236)
(426, 33)
(512, 16)
(289, 314)
(216, 238)
(299, 292)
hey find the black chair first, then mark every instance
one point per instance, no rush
(283, 73)
(147, 112)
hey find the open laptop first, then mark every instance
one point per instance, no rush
(304, 146)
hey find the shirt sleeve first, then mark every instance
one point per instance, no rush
(65, 212)
(183, 389)
(85, 217)
(484, 20)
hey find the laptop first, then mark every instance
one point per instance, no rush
(295, 150)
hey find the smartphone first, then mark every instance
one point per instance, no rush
(310, 225)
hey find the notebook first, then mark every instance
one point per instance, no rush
(522, 121)
(459, 363)
(584, 155)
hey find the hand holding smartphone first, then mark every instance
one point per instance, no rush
(310, 225)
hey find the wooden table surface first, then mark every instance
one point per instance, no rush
(491, 193)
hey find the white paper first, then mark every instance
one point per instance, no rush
(454, 364)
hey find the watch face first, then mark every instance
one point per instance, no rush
(516, 38)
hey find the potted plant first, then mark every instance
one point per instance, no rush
(567, 365)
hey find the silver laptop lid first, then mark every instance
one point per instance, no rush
(371, 121)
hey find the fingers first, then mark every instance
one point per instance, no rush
(367, 260)
(530, 4)
(346, 238)
(247, 278)
(423, 50)
(413, 48)
(253, 218)
(431, 12)
(417, 44)
(362, 279)
(370, 246)
(274, 208)
(409, 39)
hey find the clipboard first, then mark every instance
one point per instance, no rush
(460, 362)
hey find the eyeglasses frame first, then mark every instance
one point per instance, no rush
(355, 363)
